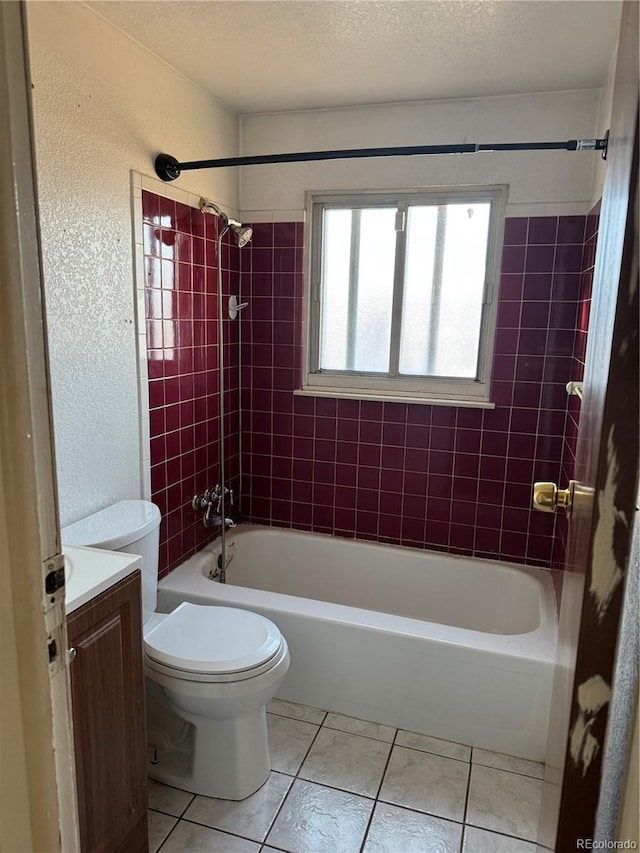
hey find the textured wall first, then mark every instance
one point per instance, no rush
(444, 478)
(102, 107)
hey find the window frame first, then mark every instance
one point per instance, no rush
(431, 390)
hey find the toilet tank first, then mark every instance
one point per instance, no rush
(129, 526)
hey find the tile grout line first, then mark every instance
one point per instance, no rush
(498, 832)
(470, 762)
(512, 772)
(236, 835)
(168, 835)
(466, 801)
(503, 769)
(217, 829)
(376, 800)
(438, 754)
(187, 806)
(393, 741)
(181, 815)
(357, 734)
(295, 776)
(462, 824)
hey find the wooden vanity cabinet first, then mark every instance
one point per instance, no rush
(107, 686)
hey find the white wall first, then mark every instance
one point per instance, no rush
(103, 106)
(603, 122)
(540, 182)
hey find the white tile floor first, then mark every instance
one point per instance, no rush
(341, 785)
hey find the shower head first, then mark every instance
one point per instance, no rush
(243, 232)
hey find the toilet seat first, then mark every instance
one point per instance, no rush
(205, 643)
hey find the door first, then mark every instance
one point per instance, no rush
(37, 794)
(606, 475)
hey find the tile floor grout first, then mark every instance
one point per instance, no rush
(379, 789)
(375, 800)
(466, 801)
(462, 824)
(417, 749)
(284, 799)
(206, 826)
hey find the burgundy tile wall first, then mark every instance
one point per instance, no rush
(182, 345)
(579, 350)
(443, 478)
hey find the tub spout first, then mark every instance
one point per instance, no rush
(213, 520)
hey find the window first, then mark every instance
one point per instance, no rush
(402, 292)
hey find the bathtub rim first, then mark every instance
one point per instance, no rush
(189, 580)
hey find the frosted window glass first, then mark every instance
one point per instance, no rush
(335, 289)
(375, 290)
(401, 293)
(357, 289)
(444, 289)
(418, 289)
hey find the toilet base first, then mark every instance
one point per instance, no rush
(222, 757)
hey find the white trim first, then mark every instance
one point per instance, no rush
(141, 182)
(362, 383)
(360, 394)
(255, 216)
(38, 807)
(138, 183)
(168, 190)
(513, 209)
(577, 208)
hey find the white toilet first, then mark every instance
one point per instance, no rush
(210, 670)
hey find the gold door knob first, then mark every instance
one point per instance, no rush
(547, 497)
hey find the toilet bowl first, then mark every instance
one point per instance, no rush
(217, 668)
(210, 671)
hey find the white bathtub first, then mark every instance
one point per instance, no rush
(451, 647)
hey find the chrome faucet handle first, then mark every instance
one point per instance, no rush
(201, 502)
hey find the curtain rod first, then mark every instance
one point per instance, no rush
(168, 168)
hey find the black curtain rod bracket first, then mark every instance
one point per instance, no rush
(168, 168)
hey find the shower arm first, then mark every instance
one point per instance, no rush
(168, 168)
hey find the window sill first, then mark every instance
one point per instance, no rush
(356, 394)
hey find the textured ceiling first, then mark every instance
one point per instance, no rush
(266, 55)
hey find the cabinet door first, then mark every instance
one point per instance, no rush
(107, 687)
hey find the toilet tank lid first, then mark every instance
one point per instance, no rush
(114, 527)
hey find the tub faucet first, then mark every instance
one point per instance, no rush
(211, 502)
(216, 521)
(218, 493)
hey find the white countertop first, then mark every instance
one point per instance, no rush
(90, 571)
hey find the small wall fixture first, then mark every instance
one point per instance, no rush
(574, 389)
(235, 307)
